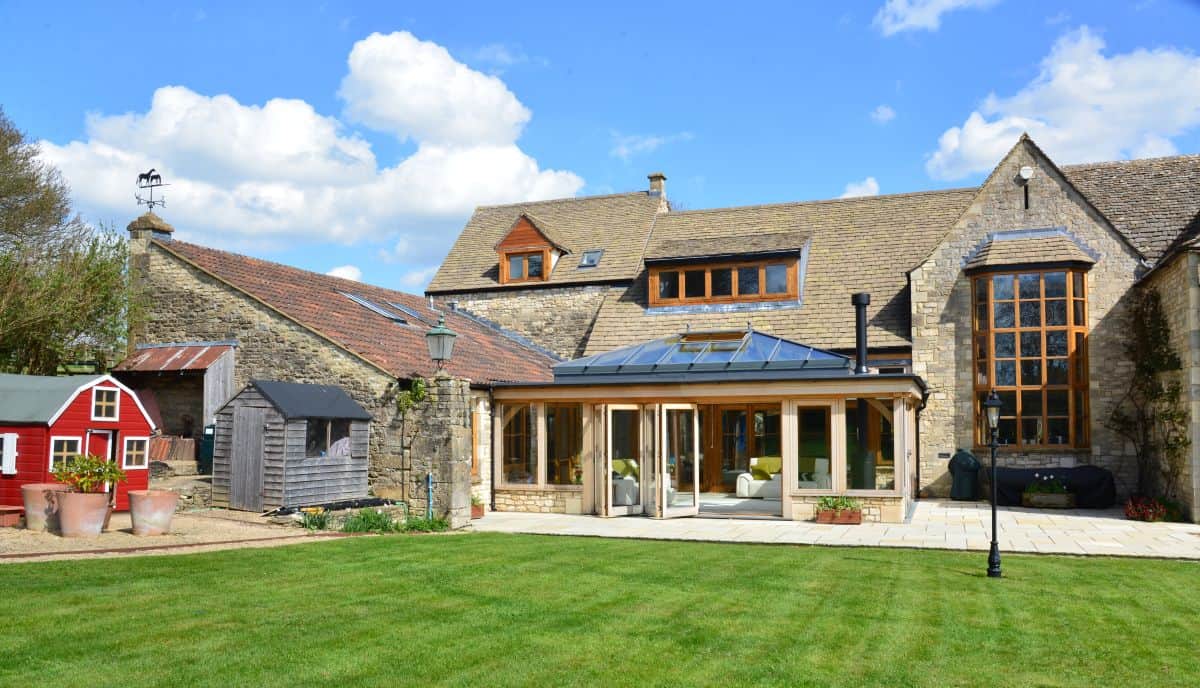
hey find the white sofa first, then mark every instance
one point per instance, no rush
(625, 491)
(749, 488)
(819, 479)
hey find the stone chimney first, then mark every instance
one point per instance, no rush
(141, 231)
(658, 187)
(149, 226)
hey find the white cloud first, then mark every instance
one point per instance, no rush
(415, 89)
(250, 174)
(1083, 106)
(883, 114)
(418, 279)
(625, 146)
(897, 16)
(867, 187)
(349, 272)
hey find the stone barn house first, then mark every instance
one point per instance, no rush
(298, 326)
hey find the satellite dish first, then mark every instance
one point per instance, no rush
(1026, 173)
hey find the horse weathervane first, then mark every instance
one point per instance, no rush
(148, 182)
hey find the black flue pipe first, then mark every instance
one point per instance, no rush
(860, 301)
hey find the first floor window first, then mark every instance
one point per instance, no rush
(762, 281)
(62, 450)
(519, 445)
(526, 266)
(136, 452)
(564, 444)
(327, 437)
(1030, 348)
(104, 403)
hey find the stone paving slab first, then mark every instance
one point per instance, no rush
(935, 524)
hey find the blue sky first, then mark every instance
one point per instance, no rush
(331, 134)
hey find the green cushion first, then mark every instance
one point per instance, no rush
(759, 474)
(628, 468)
(767, 464)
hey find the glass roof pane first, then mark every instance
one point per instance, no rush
(758, 349)
(791, 351)
(686, 352)
(613, 357)
(651, 352)
(721, 352)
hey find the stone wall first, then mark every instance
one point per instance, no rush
(941, 319)
(187, 304)
(1178, 286)
(875, 509)
(557, 318)
(537, 501)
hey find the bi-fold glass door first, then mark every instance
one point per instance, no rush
(652, 462)
(677, 467)
(624, 463)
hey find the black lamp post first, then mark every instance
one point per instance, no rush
(441, 342)
(992, 406)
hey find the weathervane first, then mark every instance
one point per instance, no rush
(149, 181)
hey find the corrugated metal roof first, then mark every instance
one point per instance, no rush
(297, 400)
(173, 357)
(36, 398)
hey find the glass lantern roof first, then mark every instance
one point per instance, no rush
(709, 354)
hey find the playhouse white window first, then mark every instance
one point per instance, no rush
(136, 452)
(8, 453)
(62, 449)
(105, 403)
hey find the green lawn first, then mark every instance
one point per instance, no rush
(488, 610)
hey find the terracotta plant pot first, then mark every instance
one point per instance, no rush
(151, 511)
(476, 511)
(41, 505)
(851, 517)
(82, 514)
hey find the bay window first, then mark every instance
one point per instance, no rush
(1029, 345)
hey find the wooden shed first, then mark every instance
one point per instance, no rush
(286, 444)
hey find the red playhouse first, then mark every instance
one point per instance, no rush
(45, 420)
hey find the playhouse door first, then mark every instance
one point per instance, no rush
(246, 459)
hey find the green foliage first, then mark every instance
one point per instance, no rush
(1151, 415)
(414, 524)
(838, 504)
(415, 394)
(64, 289)
(88, 473)
(314, 519)
(476, 500)
(1046, 484)
(371, 521)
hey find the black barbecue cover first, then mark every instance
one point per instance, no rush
(1093, 486)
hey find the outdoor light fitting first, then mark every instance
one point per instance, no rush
(441, 342)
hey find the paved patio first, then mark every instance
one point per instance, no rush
(935, 525)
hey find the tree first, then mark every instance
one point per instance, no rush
(64, 292)
(1151, 415)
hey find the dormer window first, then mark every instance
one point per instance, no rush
(773, 279)
(528, 252)
(590, 259)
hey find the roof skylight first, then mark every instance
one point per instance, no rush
(590, 259)
(376, 308)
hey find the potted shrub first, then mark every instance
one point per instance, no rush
(1047, 492)
(83, 511)
(841, 510)
(41, 505)
(476, 507)
(151, 511)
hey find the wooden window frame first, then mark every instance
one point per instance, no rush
(116, 404)
(524, 254)
(145, 452)
(1076, 387)
(79, 447)
(577, 430)
(528, 436)
(792, 293)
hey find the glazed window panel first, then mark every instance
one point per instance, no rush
(870, 451)
(104, 403)
(519, 445)
(62, 450)
(814, 448)
(527, 266)
(1030, 347)
(725, 283)
(564, 444)
(135, 453)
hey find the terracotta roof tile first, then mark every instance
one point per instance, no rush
(317, 302)
(617, 224)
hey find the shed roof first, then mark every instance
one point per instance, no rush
(37, 398)
(298, 400)
(173, 357)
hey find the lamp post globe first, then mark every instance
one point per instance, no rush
(440, 340)
(992, 406)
